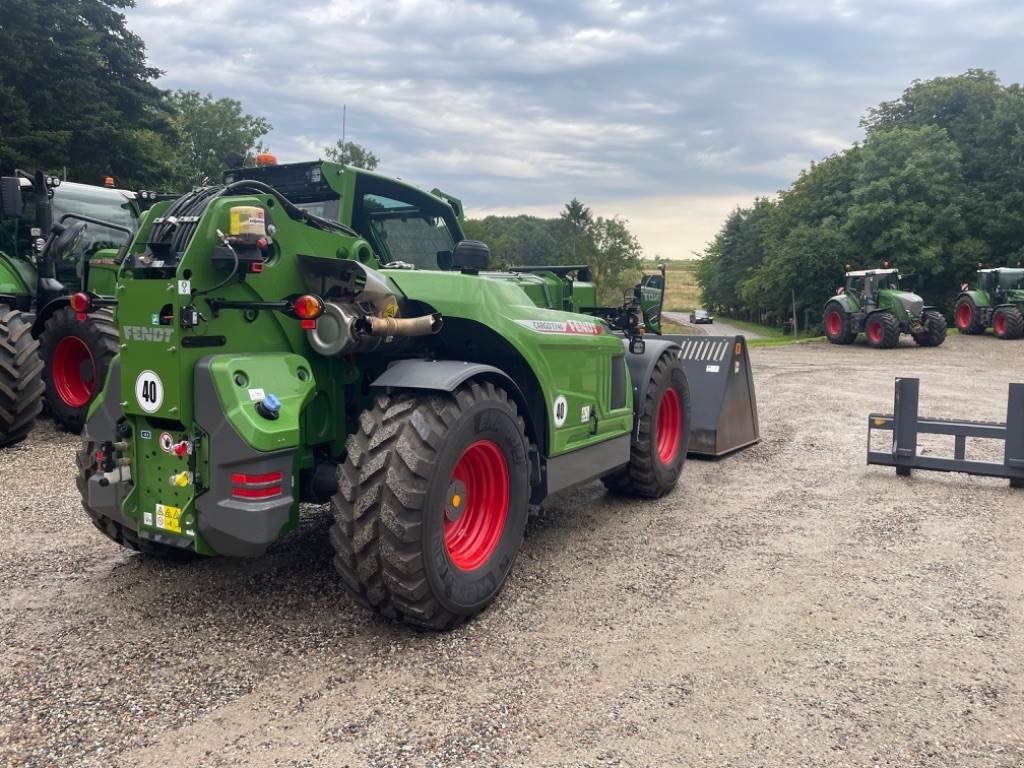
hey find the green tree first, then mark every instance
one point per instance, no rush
(210, 130)
(76, 92)
(617, 259)
(578, 221)
(350, 153)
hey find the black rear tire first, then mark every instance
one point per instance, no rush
(653, 469)
(70, 392)
(1008, 323)
(933, 329)
(968, 317)
(838, 325)
(85, 459)
(400, 500)
(883, 330)
(21, 377)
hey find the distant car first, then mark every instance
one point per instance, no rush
(701, 316)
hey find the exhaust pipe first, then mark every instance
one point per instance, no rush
(426, 325)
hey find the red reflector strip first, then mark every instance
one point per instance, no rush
(271, 477)
(256, 493)
(308, 325)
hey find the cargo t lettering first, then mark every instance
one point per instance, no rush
(146, 333)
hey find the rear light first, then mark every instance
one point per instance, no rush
(256, 486)
(308, 307)
(80, 303)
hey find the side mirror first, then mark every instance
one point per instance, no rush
(471, 254)
(64, 239)
(11, 204)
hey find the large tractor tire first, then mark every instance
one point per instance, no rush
(1008, 323)
(968, 317)
(882, 330)
(933, 329)
(77, 354)
(839, 325)
(432, 503)
(659, 448)
(21, 377)
(85, 458)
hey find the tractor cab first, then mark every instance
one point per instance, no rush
(866, 284)
(1001, 281)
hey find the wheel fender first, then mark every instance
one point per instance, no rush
(642, 366)
(980, 298)
(847, 303)
(46, 313)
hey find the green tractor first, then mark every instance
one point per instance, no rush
(313, 332)
(55, 237)
(873, 303)
(996, 302)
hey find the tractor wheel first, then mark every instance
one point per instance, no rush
(21, 377)
(658, 453)
(432, 503)
(968, 317)
(85, 458)
(933, 331)
(1008, 323)
(883, 330)
(77, 354)
(838, 325)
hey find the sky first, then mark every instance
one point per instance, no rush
(667, 114)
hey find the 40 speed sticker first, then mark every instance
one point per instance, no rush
(149, 392)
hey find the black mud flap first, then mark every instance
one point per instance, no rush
(723, 407)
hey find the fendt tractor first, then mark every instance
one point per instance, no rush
(996, 302)
(313, 332)
(873, 303)
(56, 238)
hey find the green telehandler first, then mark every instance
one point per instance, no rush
(996, 302)
(872, 302)
(56, 238)
(313, 332)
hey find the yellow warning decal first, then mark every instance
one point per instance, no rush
(168, 518)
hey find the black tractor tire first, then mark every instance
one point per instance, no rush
(838, 325)
(85, 458)
(967, 316)
(1008, 323)
(882, 330)
(77, 354)
(432, 503)
(21, 377)
(933, 329)
(658, 451)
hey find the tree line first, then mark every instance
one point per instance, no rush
(935, 187)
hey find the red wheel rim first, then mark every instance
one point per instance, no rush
(875, 332)
(964, 316)
(669, 425)
(834, 324)
(73, 371)
(476, 505)
(999, 323)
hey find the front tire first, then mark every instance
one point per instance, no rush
(968, 317)
(77, 354)
(933, 329)
(21, 377)
(658, 451)
(1008, 323)
(432, 504)
(883, 330)
(838, 325)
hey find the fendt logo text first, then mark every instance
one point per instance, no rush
(145, 333)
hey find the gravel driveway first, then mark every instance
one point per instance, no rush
(785, 606)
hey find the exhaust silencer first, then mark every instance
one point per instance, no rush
(401, 326)
(723, 407)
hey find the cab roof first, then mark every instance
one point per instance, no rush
(871, 272)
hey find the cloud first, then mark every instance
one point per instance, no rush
(624, 104)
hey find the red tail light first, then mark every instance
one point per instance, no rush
(256, 486)
(308, 307)
(80, 303)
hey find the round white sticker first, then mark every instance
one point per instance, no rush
(149, 391)
(561, 410)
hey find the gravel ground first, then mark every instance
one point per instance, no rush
(785, 606)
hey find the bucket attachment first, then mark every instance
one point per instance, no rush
(723, 407)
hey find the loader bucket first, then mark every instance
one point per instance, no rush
(723, 407)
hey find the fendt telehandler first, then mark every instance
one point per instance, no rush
(996, 302)
(314, 332)
(873, 303)
(55, 239)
